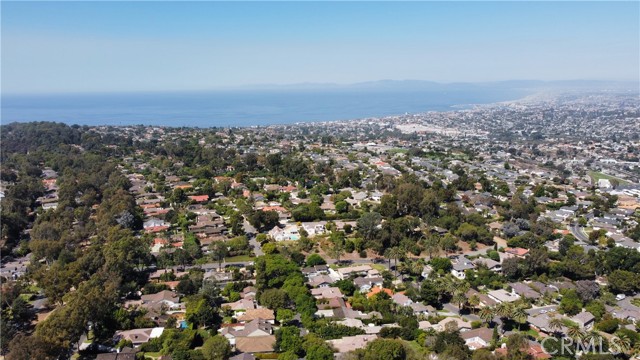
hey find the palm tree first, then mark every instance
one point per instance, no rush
(459, 298)
(474, 302)
(503, 310)
(486, 314)
(555, 325)
(431, 246)
(593, 338)
(575, 333)
(451, 285)
(394, 253)
(622, 343)
(445, 286)
(519, 315)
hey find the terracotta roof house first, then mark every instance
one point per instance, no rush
(534, 349)
(199, 198)
(517, 252)
(377, 290)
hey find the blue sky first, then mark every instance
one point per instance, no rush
(136, 46)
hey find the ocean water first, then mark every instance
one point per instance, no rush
(237, 108)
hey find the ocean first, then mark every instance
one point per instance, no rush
(238, 108)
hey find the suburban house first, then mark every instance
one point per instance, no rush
(288, 233)
(253, 314)
(463, 264)
(351, 343)
(477, 338)
(138, 336)
(165, 298)
(584, 319)
(502, 295)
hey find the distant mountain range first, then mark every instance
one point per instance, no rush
(423, 85)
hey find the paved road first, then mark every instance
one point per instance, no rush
(251, 234)
(578, 232)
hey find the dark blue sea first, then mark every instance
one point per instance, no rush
(237, 108)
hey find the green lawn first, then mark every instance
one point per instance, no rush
(415, 346)
(532, 333)
(239, 258)
(379, 267)
(595, 176)
(398, 150)
(153, 355)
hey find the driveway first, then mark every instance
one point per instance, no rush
(251, 235)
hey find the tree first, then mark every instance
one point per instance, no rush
(317, 349)
(621, 343)
(200, 312)
(368, 225)
(486, 314)
(449, 243)
(337, 244)
(346, 286)
(409, 198)
(575, 333)
(587, 290)
(216, 348)
(517, 346)
(385, 349)
(474, 302)
(315, 259)
(263, 220)
(622, 281)
(235, 223)
(511, 268)
(556, 324)
(288, 340)
(394, 253)
(570, 303)
(274, 299)
(431, 245)
(519, 315)
(441, 265)
(284, 315)
(219, 251)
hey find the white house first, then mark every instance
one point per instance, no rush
(288, 233)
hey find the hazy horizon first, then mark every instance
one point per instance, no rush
(382, 84)
(105, 47)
